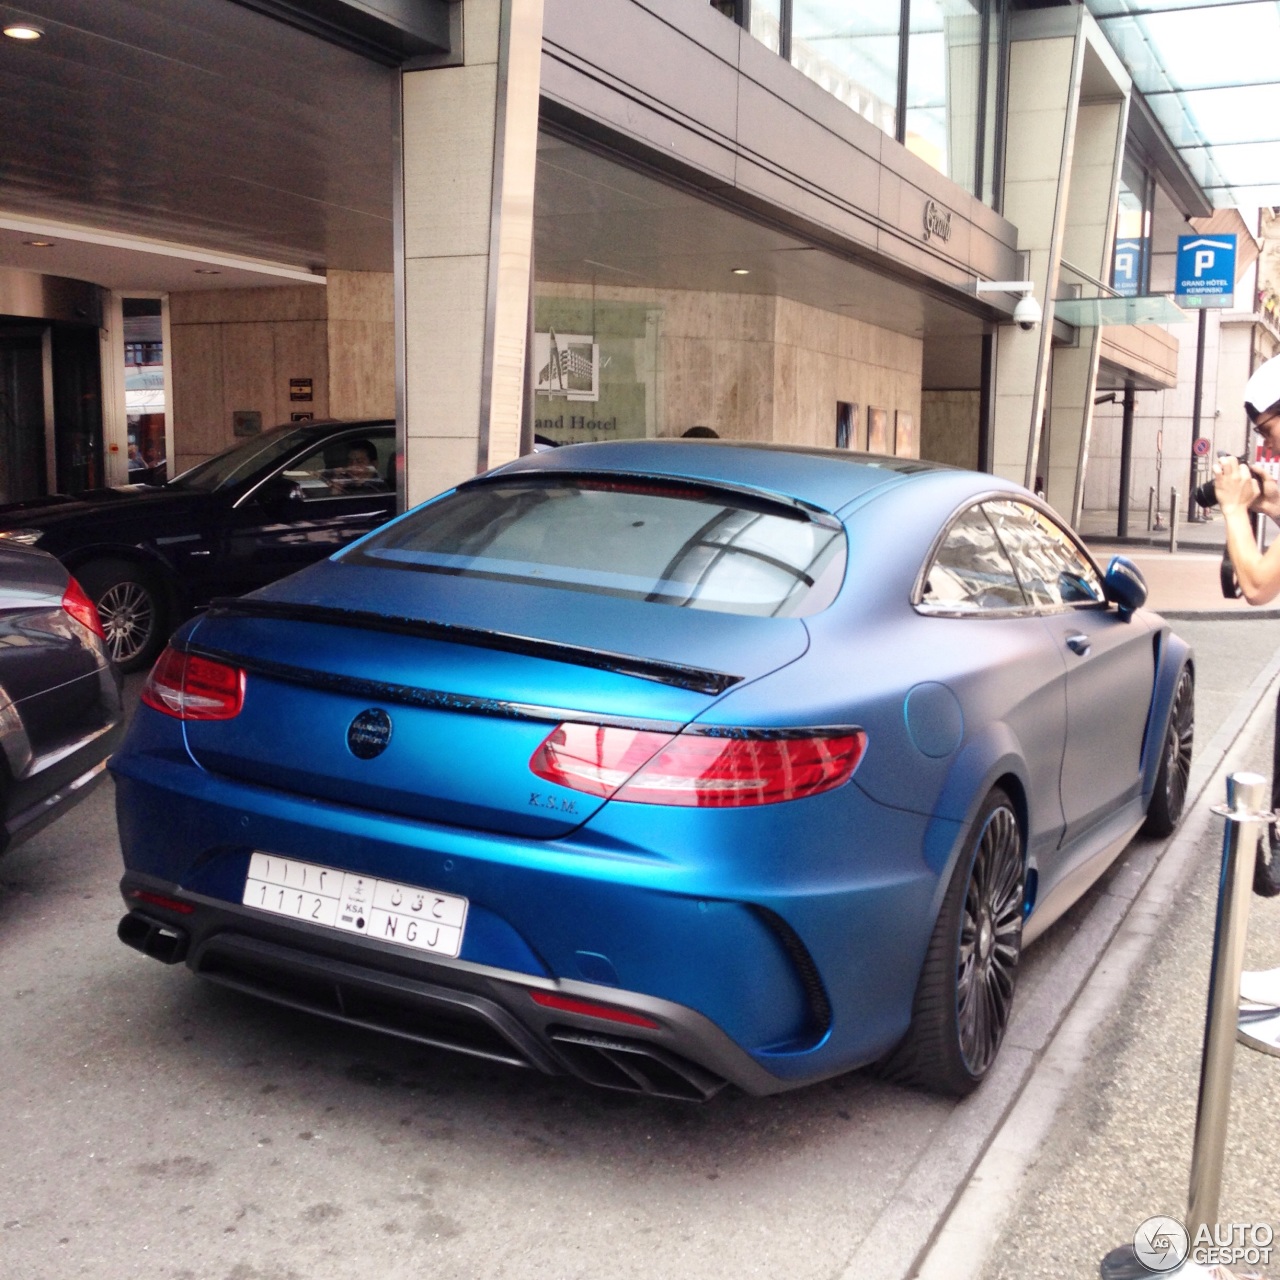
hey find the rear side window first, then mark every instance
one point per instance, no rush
(971, 572)
(1054, 571)
(673, 544)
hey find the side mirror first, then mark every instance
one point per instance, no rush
(1125, 586)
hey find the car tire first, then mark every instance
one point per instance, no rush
(1169, 796)
(964, 998)
(132, 608)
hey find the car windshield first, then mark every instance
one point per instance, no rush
(698, 547)
(226, 469)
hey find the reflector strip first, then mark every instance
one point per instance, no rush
(549, 1000)
(159, 900)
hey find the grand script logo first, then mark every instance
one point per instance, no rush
(937, 221)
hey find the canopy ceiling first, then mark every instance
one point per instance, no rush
(1210, 72)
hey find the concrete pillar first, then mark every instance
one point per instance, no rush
(1044, 87)
(468, 147)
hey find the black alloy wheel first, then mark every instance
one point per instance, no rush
(1169, 796)
(990, 941)
(131, 609)
(964, 998)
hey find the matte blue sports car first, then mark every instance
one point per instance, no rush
(665, 764)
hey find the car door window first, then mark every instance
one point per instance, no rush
(341, 468)
(1054, 571)
(970, 572)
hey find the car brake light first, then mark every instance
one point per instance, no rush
(190, 687)
(81, 608)
(549, 1000)
(694, 769)
(594, 758)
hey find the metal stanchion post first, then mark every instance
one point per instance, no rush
(1151, 508)
(1247, 819)
(1173, 520)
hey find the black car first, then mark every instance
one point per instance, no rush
(60, 713)
(150, 555)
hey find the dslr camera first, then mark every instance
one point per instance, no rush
(1206, 495)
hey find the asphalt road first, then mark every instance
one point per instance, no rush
(156, 1126)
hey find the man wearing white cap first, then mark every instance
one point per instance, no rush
(1239, 491)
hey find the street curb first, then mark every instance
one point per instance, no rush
(1258, 613)
(917, 1220)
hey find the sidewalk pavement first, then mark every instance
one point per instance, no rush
(1100, 1138)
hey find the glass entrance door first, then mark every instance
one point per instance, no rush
(23, 426)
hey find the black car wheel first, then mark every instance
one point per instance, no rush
(964, 998)
(1169, 797)
(132, 610)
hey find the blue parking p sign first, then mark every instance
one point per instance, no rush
(1206, 271)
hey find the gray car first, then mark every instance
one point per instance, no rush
(60, 707)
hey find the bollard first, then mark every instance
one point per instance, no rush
(1247, 820)
(1151, 508)
(1173, 520)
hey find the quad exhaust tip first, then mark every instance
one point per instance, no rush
(155, 938)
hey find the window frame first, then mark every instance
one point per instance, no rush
(987, 180)
(1030, 608)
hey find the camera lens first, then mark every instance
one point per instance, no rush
(1206, 495)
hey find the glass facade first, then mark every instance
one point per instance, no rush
(1131, 257)
(926, 72)
(852, 52)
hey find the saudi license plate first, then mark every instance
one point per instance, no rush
(383, 909)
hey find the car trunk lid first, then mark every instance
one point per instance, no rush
(463, 704)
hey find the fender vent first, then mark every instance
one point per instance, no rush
(815, 994)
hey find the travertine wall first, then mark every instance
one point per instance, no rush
(237, 349)
(361, 344)
(949, 427)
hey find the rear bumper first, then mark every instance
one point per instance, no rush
(768, 963)
(35, 817)
(473, 1009)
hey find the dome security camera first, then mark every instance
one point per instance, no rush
(1027, 314)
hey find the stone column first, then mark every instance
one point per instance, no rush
(1044, 86)
(468, 146)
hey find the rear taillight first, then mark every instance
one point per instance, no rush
(696, 769)
(594, 758)
(81, 608)
(190, 687)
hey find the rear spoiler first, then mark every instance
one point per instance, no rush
(680, 676)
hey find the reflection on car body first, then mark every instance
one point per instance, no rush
(733, 763)
(60, 710)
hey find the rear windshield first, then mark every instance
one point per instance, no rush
(700, 548)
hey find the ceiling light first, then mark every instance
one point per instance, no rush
(39, 244)
(741, 271)
(23, 31)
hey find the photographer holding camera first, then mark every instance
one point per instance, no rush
(1240, 490)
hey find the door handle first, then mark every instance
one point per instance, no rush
(1079, 644)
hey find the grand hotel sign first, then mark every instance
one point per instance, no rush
(937, 221)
